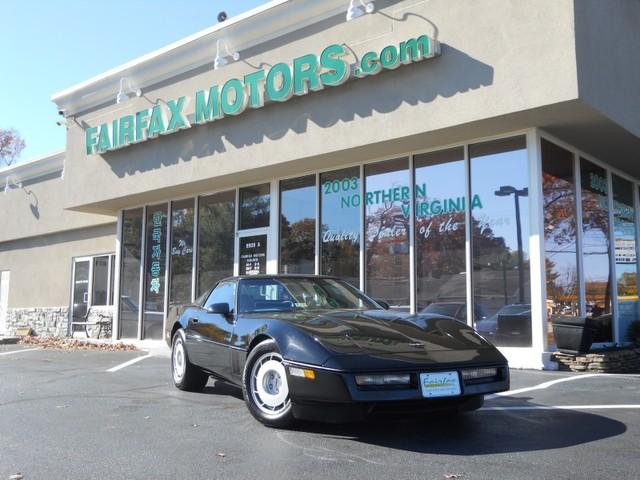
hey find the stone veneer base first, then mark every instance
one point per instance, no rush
(600, 361)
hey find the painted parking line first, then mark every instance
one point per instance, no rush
(128, 363)
(545, 385)
(20, 351)
(563, 407)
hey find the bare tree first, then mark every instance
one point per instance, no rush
(11, 145)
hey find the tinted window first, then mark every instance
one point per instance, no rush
(225, 292)
(181, 251)
(216, 234)
(155, 263)
(595, 247)
(130, 272)
(440, 227)
(500, 229)
(624, 230)
(558, 189)
(255, 205)
(387, 203)
(298, 225)
(340, 212)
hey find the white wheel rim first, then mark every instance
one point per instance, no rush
(269, 387)
(179, 361)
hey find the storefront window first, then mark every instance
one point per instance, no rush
(387, 201)
(500, 232)
(340, 212)
(596, 248)
(130, 272)
(255, 205)
(155, 262)
(624, 228)
(181, 252)
(298, 225)
(216, 233)
(561, 260)
(440, 232)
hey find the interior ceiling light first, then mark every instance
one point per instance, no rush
(127, 87)
(222, 60)
(357, 8)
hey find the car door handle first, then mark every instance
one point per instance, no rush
(194, 320)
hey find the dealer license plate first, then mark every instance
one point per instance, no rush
(441, 384)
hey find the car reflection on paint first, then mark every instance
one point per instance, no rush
(314, 347)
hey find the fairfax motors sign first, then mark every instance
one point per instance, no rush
(278, 84)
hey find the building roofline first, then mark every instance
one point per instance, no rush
(256, 26)
(34, 168)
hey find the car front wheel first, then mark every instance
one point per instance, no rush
(265, 386)
(186, 376)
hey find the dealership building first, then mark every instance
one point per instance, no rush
(474, 158)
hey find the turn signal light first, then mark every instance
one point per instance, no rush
(367, 380)
(302, 372)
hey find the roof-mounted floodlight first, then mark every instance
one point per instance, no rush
(357, 8)
(123, 94)
(11, 184)
(222, 60)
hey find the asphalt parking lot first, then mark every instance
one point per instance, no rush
(64, 416)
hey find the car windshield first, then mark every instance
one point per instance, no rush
(448, 309)
(514, 309)
(284, 294)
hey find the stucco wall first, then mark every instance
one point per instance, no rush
(41, 266)
(498, 57)
(37, 208)
(607, 44)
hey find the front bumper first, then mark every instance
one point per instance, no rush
(334, 395)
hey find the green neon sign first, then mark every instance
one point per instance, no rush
(307, 73)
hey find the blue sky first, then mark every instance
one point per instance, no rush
(49, 45)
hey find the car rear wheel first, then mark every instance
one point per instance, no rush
(186, 376)
(265, 386)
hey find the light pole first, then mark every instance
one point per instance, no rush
(505, 191)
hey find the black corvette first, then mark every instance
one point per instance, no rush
(314, 347)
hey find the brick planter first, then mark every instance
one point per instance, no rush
(600, 361)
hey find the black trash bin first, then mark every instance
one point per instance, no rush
(574, 334)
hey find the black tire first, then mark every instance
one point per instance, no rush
(471, 404)
(265, 410)
(193, 379)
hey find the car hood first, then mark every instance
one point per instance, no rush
(383, 332)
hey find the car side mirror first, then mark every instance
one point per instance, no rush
(383, 304)
(219, 309)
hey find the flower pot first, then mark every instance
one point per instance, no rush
(573, 334)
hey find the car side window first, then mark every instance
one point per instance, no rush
(225, 292)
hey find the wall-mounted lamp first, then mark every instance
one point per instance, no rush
(222, 60)
(11, 184)
(357, 8)
(123, 94)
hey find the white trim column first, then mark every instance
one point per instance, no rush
(536, 246)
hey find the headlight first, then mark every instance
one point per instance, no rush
(368, 380)
(479, 373)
